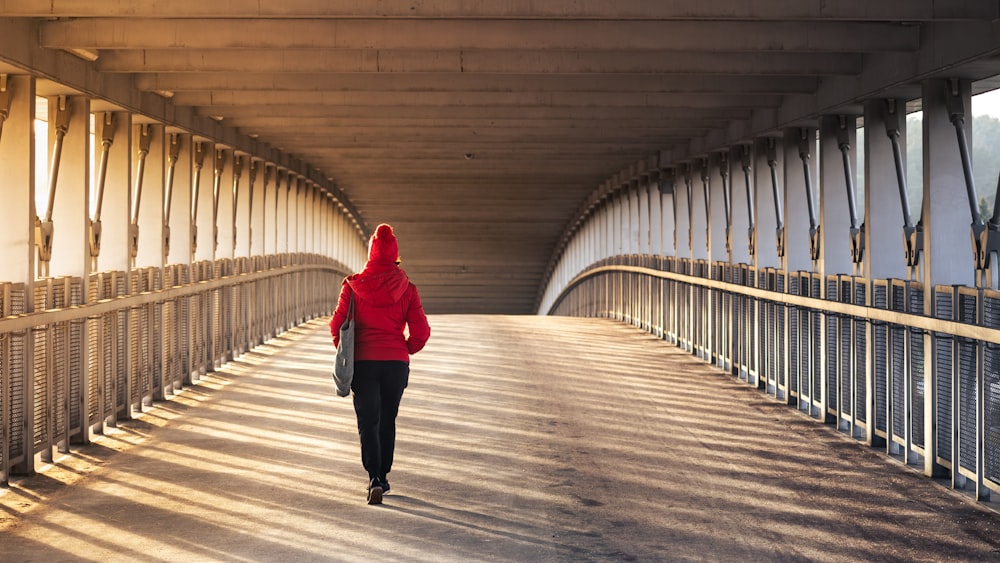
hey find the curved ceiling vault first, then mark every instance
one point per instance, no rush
(478, 128)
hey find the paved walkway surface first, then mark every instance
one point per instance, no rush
(520, 439)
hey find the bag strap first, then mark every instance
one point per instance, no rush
(350, 306)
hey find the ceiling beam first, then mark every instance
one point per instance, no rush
(765, 36)
(314, 111)
(474, 62)
(222, 99)
(457, 82)
(912, 10)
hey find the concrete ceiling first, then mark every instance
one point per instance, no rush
(478, 128)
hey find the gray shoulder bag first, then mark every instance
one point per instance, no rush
(343, 371)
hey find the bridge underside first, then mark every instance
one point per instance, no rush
(479, 129)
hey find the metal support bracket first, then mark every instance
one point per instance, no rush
(772, 163)
(981, 237)
(752, 216)
(44, 232)
(220, 164)
(237, 174)
(44, 228)
(107, 130)
(198, 163)
(173, 155)
(252, 171)
(805, 154)
(857, 231)
(145, 141)
(690, 205)
(6, 96)
(727, 200)
(705, 194)
(913, 239)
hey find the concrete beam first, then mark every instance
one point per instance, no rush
(911, 10)
(764, 36)
(459, 82)
(475, 113)
(475, 61)
(478, 99)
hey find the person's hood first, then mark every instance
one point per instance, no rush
(379, 284)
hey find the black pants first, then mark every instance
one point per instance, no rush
(378, 387)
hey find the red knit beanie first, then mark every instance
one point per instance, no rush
(383, 247)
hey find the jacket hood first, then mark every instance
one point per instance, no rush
(380, 284)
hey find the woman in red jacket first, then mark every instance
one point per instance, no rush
(386, 304)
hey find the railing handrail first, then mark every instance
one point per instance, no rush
(929, 324)
(27, 321)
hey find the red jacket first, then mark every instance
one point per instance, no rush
(385, 303)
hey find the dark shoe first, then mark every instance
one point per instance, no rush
(385, 485)
(375, 492)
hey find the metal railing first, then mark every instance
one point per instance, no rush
(857, 353)
(72, 366)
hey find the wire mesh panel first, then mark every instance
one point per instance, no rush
(844, 348)
(816, 346)
(717, 328)
(768, 327)
(944, 358)
(991, 392)
(122, 374)
(93, 342)
(915, 355)
(860, 295)
(13, 382)
(58, 356)
(968, 378)
(728, 342)
(780, 316)
(78, 390)
(40, 371)
(897, 364)
(157, 329)
(832, 342)
(753, 349)
(880, 359)
(739, 326)
(794, 337)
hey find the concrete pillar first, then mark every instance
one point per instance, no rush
(642, 200)
(17, 187)
(268, 209)
(683, 186)
(17, 239)
(225, 168)
(719, 189)
(884, 249)
(948, 257)
(147, 204)
(204, 155)
(110, 212)
(668, 213)
(653, 203)
(700, 204)
(797, 237)
(283, 185)
(240, 208)
(742, 208)
(834, 203)
(71, 201)
(178, 206)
